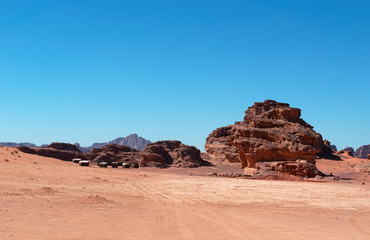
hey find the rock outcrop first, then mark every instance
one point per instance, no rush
(62, 151)
(64, 146)
(363, 151)
(270, 131)
(348, 151)
(327, 151)
(155, 156)
(299, 168)
(171, 153)
(114, 153)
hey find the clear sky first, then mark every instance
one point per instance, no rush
(91, 71)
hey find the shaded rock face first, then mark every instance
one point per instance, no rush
(327, 151)
(271, 131)
(64, 146)
(114, 153)
(348, 151)
(171, 153)
(363, 151)
(65, 155)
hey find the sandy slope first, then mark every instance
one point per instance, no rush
(44, 198)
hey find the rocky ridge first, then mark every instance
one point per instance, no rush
(62, 151)
(161, 154)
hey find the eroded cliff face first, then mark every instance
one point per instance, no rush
(270, 131)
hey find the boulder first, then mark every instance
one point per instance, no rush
(270, 131)
(363, 151)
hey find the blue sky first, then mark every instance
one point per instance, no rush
(91, 71)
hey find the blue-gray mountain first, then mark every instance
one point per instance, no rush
(132, 141)
(13, 144)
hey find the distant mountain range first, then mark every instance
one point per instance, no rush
(132, 141)
(13, 144)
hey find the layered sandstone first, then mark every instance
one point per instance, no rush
(270, 131)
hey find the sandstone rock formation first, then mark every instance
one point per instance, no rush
(363, 151)
(114, 153)
(298, 168)
(171, 153)
(62, 151)
(270, 131)
(155, 156)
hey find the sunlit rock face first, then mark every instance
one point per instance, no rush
(270, 131)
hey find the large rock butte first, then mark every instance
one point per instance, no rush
(363, 151)
(270, 131)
